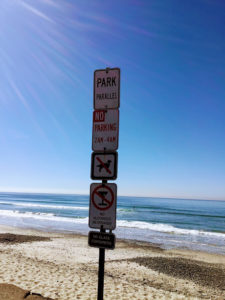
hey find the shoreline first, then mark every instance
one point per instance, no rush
(174, 225)
(213, 248)
(63, 267)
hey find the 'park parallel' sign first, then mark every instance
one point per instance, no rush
(107, 88)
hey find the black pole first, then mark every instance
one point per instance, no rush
(101, 268)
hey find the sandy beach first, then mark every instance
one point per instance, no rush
(62, 266)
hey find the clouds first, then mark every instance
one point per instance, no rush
(36, 12)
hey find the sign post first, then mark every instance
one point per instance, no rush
(101, 269)
(104, 161)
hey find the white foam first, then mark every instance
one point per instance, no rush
(42, 216)
(166, 228)
(46, 206)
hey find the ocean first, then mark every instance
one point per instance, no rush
(168, 223)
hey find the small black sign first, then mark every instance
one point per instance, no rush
(101, 240)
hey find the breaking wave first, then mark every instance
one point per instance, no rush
(166, 228)
(156, 227)
(46, 206)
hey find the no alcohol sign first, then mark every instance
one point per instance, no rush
(102, 210)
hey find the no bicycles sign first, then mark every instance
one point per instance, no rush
(102, 210)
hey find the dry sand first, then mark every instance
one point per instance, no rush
(64, 267)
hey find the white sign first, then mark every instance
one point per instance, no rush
(105, 130)
(104, 165)
(102, 210)
(107, 88)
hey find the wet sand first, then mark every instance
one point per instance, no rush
(63, 266)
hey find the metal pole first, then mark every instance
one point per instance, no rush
(101, 263)
(101, 268)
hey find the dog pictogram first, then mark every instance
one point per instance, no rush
(104, 165)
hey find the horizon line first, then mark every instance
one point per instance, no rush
(121, 195)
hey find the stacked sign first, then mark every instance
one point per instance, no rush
(105, 132)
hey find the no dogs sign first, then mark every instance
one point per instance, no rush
(102, 210)
(107, 88)
(104, 165)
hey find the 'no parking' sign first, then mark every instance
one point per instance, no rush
(102, 210)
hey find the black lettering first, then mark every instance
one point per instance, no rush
(114, 81)
(103, 82)
(98, 81)
(108, 81)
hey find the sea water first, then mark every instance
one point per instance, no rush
(168, 223)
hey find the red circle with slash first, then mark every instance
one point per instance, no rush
(100, 194)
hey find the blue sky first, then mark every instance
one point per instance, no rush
(172, 115)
